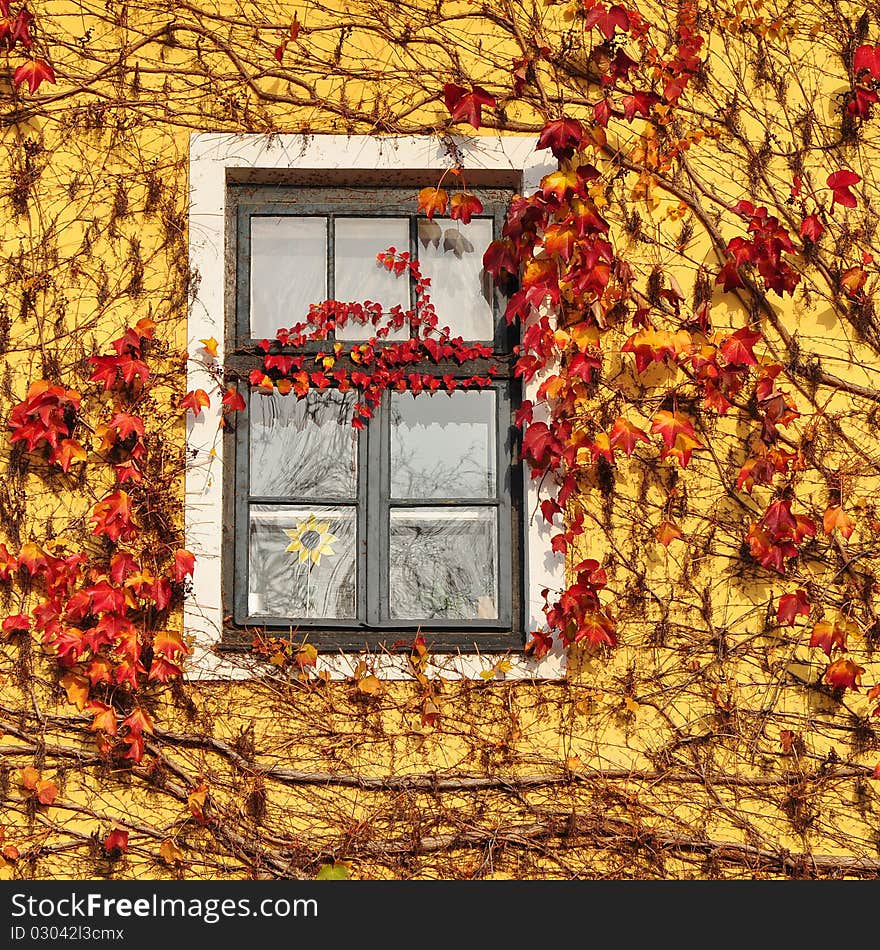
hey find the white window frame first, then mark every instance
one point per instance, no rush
(214, 159)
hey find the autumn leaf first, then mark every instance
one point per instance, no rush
(138, 721)
(672, 424)
(197, 800)
(337, 871)
(184, 564)
(17, 623)
(34, 72)
(112, 516)
(625, 435)
(467, 105)
(737, 349)
(867, 59)
(836, 517)
(116, 841)
(839, 183)
(606, 21)
(792, 605)
(433, 201)
(77, 689)
(667, 532)
(45, 792)
(209, 345)
(812, 228)
(169, 852)
(843, 674)
(369, 685)
(233, 400)
(463, 206)
(104, 719)
(562, 136)
(827, 635)
(28, 777)
(194, 400)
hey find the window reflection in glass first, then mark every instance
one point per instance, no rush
(359, 277)
(301, 561)
(288, 270)
(303, 447)
(451, 254)
(443, 564)
(443, 445)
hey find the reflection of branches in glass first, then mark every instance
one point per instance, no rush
(303, 447)
(443, 565)
(280, 585)
(443, 445)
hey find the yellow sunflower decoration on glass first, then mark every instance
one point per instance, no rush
(311, 539)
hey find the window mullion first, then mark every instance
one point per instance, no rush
(376, 494)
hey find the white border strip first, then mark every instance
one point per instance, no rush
(211, 156)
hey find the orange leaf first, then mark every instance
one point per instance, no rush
(369, 685)
(827, 636)
(196, 800)
(843, 674)
(105, 718)
(836, 517)
(210, 345)
(671, 425)
(194, 400)
(46, 792)
(626, 436)
(169, 852)
(667, 532)
(28, 777)
(433, 201)
(77, 688)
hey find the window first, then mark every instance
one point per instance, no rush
(354, 537)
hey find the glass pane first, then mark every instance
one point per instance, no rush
(443, 445)
(303, 447)
(359, 277)
(288, 271)
(443, 564)
(302, 561)
(451, 254)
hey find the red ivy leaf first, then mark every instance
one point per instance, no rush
(812, 228)
(184, 564)
(791, 605)
(117, 840)
(194, 400)
(467, 105)
(463, 206)
(34, 72)
(562, 136)
(839, 183)
(867, 59)
(607, 20)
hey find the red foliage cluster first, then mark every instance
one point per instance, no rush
(103, 616)
(368, 368)
(45, 419)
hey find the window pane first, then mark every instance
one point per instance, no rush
(359, 277)
(303, 447)
(451, 254)
(288, 271)
(302, 561)
(443, 445)
(443, 564)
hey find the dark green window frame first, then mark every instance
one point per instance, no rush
(373, 627)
